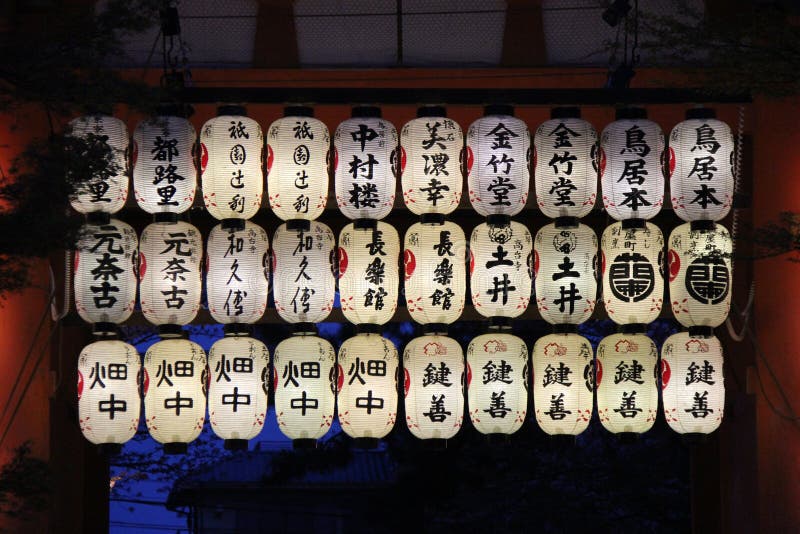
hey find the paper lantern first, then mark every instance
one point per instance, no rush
(305, 285)
(565, 263)
(632, 269)
(498, 163)
(501, 269)
(169, 272)
(368, 273)
(174, 391)
(368, 366)
(430, 160)
(565, 165)
(237, 389)
(107, 189)
(365, 165)
(237, 279)
(497, 383)
(435, 273)
(305, 386)
(563, 383)
(108, 392)
(630, 166)
(230, 165)
(700, 274)
(105, 275)
(693, 383)
(434, 386)
(298, 151)
(627, 395)
(701, 167)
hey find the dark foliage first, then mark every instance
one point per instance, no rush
(24, 484)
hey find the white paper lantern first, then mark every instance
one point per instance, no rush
(632, 266)
(305, 285)
(230, 165)
(365, 165)
(497, 383)
(108, 190)
(174, 390)
(305, 383)
(368, 273)
(237, 280)
(105, 274)
(498, 164)
(563, 383)
(108, 392)
(431, 148)
(565, 165)
(565, 265)
(693, 383)
(298, 151)
(627, 395)
(701, 167)
(501, 259)
(434, 386)
(630, 167)
(435, 273)
(700, 275)
(169, 271)
(368, 366)
(238, 387)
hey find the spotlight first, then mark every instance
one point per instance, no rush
(617, 11)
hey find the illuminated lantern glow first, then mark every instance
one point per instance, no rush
(692, 383)
(435, 274)
(700, 274)
(298, 152)
(631, 176)
(563, 383)
(627, 394)
(365, 164)
(498, 162)
(497, 383)
(237, 279)
(434, 386)
(231, 153)
(108, 392)
(368, 365)
(305, 382)
(632, 269)
(565, 264)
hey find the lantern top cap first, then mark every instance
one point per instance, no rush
(95, 110)
(498, 109)
(98, 217)
(498, 219)
(701, 113)
(298, 224)
(565, 329)
(628, 224)
(566, 222)
(366, 112)
(365, 224)
(432, 218)
(165, 217)
(233, 224)
(634, 328)
(368, 328)
(702, 226)
(170, 331)
(434, 329)
(236, 329)
(701, 331)
(172, 109)
(631, 113)
(231, 109)
(431, 111)
(298, 111)
(566, 112)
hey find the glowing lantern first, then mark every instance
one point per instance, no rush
(434, 386)
(435, 274)
(365, 164)
(497, 382)
(565, 164)
(304, 280)
(230, 164)
(498, 162)
(632, 264)
(563, 383)
(174, 392)
(368, 366)
(701, 167)
(627, 394)
(108, 393)
(298, 151)
(237, 282)
(237, 389)
(501, 269)
(630, 166)
(565, 261)
(693, 383)
(164, 173)
(700, 274)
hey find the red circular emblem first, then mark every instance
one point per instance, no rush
(674, 262)
(469, 374)
(142, 266)
(471, 262)
(75, 262)
(410, 263)
(470, 159)
(335, 159)
(602, 162)
(342, 262)
(274, 379)
(666, 373)
(402, 159)
(80, 385)
(598, 372)
(671, 161)
(602, 263)
(270, 158)
(203, 158)
(535, 262)
(145, 382)
(339, 377)
(406, 382)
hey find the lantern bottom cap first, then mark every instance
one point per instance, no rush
(627, 437)
(304, 444)
(694, 438)
(562, 440)
(497, 438)
(109, 449)
(236, 444)
(365, 443)
(176, 448)
(435, 444)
